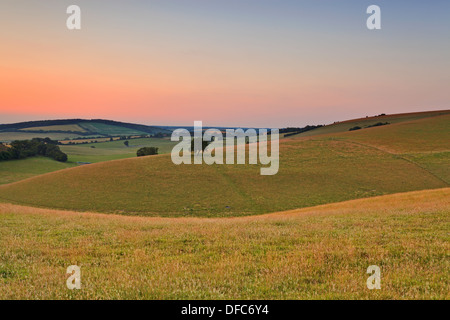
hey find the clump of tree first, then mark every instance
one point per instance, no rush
(202, 143)
(355, 128)
(21, 149)
(147, 151)
(4, 152)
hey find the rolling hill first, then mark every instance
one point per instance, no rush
(12, 171)
(75, 128)
(404, 156)
(263, 252)
(344, 126)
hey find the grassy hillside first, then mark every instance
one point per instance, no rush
(108, 129)
(424, 142)
(312, 253)
(344, 126)
(436, 163)
(312, 171)
(16, 170)
(12, 171)
(418, 136)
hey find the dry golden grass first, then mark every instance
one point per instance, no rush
(319, 252)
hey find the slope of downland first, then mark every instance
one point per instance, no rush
(424, 142)
(344, 126)
(15, 170)
(312, 171)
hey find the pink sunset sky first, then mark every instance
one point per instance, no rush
(227, 63)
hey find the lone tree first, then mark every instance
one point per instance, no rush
(126, 143)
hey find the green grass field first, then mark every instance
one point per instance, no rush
(313, 171)
(12, 171)
(312, 253)
(109, 129)
(436, 163)
(112, 150)
(418, 136)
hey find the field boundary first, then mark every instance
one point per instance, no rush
(400, 156)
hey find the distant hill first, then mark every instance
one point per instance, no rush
(67, 129)
(75, 128)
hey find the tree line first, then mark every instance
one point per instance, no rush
(293, 131)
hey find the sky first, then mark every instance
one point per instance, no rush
(250, 63)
